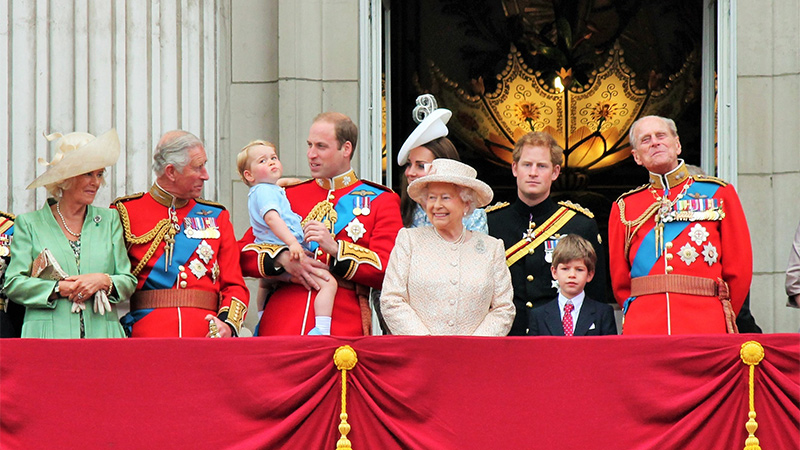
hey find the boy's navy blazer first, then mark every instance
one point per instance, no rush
(546, 320)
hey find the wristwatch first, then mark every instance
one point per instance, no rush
(57, 290)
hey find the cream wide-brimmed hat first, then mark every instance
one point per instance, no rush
(432, 125)
(78, 153)
(445, 170)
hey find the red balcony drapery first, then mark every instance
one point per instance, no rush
(618, 392)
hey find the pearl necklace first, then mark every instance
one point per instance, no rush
(64, 222)
(457, 241)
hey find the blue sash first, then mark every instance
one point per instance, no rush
(344, 209)
(182, 250)
(646, 257)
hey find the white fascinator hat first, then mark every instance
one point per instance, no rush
(432, 122)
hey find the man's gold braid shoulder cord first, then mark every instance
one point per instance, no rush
(637, 223)
(156, 235)
(320, 210)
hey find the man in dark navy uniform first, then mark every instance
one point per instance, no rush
(531, 227)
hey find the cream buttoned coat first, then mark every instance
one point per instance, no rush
(433, 287)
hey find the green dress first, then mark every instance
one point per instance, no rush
(102, 250)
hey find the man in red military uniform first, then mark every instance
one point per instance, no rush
(183, 250)
(353, 222)
(679, 247)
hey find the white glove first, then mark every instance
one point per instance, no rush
(78, 307)
(101, 303)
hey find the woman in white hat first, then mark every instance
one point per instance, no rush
(444, 279)
(75, 296)
(427, 142)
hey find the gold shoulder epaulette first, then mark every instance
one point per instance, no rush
(8, 215)
(633, 191)
(577, 207)
(129, 197)
(297, 181)
(496, 206)
(710, 179)
(377, 186)
(203, 201)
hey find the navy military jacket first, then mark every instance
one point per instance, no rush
(530, 276)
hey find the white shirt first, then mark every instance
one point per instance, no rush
(577, 301)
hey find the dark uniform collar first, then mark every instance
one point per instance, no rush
(348, 178)
(545, 207)
(163, 197)
(672, 178)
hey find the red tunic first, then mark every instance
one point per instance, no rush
(363, 254)
(702, 248)
(208, 263)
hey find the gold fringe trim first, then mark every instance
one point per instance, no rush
(751, 353)
(345, 359)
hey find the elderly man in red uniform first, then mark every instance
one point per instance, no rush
(182, 249)
(352, 222)
(679, 247)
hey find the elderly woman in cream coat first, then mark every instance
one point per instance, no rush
(445, 279)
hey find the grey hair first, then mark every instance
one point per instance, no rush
(669, 122)
(173, 148)
(467, 195)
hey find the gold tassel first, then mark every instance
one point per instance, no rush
(345, 359)
(752, 353)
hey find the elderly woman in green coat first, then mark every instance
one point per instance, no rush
(85, 241)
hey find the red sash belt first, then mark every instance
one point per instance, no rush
(677, 284)
(175, 298)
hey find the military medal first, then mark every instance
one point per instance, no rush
(549, 248)
(355, 229)
(529, 234)
(201, 228)
(365, 210)
(361, 203)
(710, 254)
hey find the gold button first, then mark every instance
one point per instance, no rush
(668, 245)
(319, 252)
(669, 256)
(669, 269)
(181, 268)
(529, 305)
(183, 284)
(530, 278)
(530, 252)
(184, 276)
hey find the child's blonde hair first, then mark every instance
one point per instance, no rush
(243, 158)
(572, 247)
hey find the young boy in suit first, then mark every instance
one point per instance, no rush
(572, 313)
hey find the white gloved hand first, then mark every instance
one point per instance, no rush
(78, 307)
(101, 303)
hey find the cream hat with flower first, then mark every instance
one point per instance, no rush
(432, 125)
(78, 153)
(445, 170)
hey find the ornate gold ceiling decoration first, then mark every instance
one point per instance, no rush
(589, 121)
